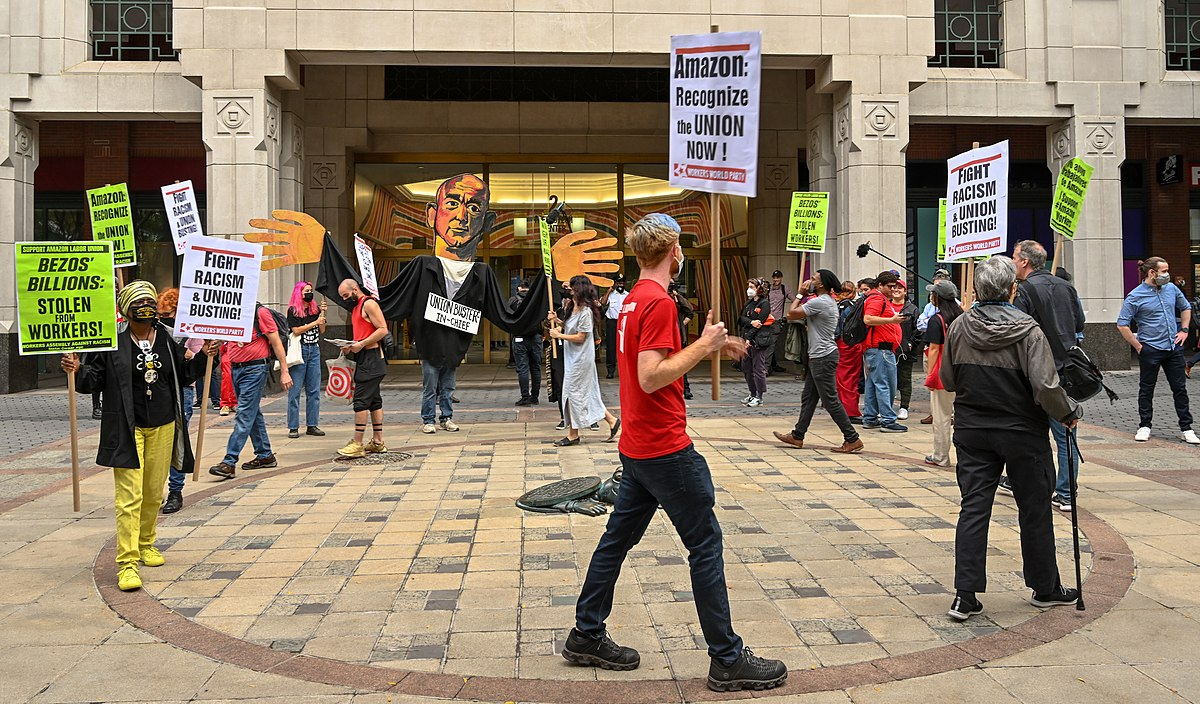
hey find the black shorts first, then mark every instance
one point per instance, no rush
(368, 375)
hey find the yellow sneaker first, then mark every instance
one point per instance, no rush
(353, 449)
(151, 557)
(128, 579)
(375, 446)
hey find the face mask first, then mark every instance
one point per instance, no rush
(620, 288)
(1162, 279)
(307, 296)
(144, 313)
(751, 292)
(679, 261)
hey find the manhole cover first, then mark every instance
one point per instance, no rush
(376, 458)
(560, 491)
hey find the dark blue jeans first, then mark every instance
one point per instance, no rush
(528, 356)
(248, 384)
(176, 476)
(682, 484)
(1150, 360)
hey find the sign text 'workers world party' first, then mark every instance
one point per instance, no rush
(1069, 193)
(112, 221)
(714, 112)
(65, 299)
(977, 203)
(218, 289)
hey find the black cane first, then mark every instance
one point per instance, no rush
(864, 248)
(1072, 444)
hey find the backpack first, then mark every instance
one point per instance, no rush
(280, 323)
(852, 328)
(1079, 376)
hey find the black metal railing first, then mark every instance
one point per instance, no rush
(967, 34)
(132, 30)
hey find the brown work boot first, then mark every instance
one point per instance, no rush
(927, 420)
(790, 439)
(850, 447)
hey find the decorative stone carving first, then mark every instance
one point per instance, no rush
(233, 116)
(880, 118)
(23, 142)
(1100, 139)
(324, 175)
(298, 141)
(272, 120)
(843, 124)
(777, 176)
(814, 143)
(1061, 144)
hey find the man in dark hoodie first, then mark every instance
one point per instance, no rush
(1000, 366)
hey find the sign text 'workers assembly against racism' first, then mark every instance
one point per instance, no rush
(977, 203)
(218, 288)
(65, 299)
(714, 112)
(112, 221)
(179, 200)
(366, 265)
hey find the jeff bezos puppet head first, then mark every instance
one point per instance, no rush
(460, 217)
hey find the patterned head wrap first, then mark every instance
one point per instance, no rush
(135, 291)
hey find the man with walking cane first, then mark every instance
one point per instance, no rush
(999, 364)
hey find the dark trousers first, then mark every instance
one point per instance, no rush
(1171, 362)
(754, 368)
(777, 352)
(528, 357)
(557, 370)
(904, 370)
(983, 455)
(682, 484)
(610, 345)
(820, 382)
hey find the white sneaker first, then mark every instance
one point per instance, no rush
(429, 428)
(1143, 434)
(746, 400)
(902, 414)
(754, 402)
(449, 426)
(1189, 436)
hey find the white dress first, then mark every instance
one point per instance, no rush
(581, 386)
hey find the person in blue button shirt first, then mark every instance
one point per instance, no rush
(1153, 305)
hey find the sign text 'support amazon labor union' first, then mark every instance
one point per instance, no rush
(714, 112)
(218, 288)
(65, 299)
(977, 203)
(444, 311)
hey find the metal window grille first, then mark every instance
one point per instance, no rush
(132, 30)
(967, 34)
(1182, 38)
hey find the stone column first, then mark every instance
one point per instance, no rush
(822, 169)
(18, 161)
(1094, 258)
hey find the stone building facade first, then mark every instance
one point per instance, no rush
(278, 104)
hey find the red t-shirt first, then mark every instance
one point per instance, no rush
(258, 347)
(880, 307)
(653, 425)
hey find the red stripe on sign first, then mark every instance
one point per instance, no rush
(712, 49)
(224, 251)
(984, 160)
(177, 190)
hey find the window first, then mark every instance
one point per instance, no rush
(132, 30)
(967, 34)
(1182, 37)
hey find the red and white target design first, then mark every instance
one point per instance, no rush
(341, 382)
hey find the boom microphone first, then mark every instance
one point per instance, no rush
(863, 249)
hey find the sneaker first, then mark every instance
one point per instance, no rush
(1142, 434)
(223, 470)
(856, 420)
(294, 433)
(893, 427)
(429, 428)
(1005, 486)
(594, 426)
(261, 463)
(449, 425)
(314, 430)
(687, 395)
(746, 400)
(224, 410)
(1189, 436)
(961, 609)
(128, 579)
(850, 447)
(524, 401)
(174, 501)
(375, 446)
(870, 424)
(97, 413)
(353, 449)
(151, 557)
(1060, 503)
(602, 652)
(562, 425)
(932, 461)
(902, 414)
(754, 403)
(747, 672)
(1062, 596)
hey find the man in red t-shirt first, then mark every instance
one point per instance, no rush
(883, 319)
(660, 466)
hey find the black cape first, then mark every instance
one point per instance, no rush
(405, 298)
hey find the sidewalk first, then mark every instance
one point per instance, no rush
(412, 577)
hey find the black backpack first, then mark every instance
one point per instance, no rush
(280, 322)
(852, 327)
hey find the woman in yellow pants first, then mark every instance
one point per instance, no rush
(142, 433)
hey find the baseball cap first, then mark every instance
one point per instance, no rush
(776, 273)
(944, 290)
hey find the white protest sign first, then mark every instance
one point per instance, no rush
(179, 200)
(977, 203)
(366, 265)
(714, 112)
(218, 288)
(444, 311)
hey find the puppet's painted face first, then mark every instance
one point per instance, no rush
(460, 217)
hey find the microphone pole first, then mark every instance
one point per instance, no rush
(863, 249)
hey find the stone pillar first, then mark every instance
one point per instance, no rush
(1094, 258)
(18, 161)
(822, 169)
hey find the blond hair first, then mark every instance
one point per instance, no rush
(652, 238)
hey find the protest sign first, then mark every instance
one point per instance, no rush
(714, 112)
(366, 265)
(65, 298)
(179, 200)
(941, 251)
(112, 219)
(1069, 193)
(218, 288)
(977, 203)
(443, 311)
(807, 221)
(547, 262)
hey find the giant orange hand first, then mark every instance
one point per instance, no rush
(579, 254)
(296, 237)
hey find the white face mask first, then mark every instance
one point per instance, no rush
(751, 292)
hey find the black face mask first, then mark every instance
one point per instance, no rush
(145, 313)
(168, 321)
(307, 296)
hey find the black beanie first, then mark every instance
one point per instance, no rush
(829, 280)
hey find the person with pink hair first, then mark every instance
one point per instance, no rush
(307, 321)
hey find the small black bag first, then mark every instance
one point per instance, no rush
(1081, 378)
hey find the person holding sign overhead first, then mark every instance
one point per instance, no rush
(369, 328)
(142, 431)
